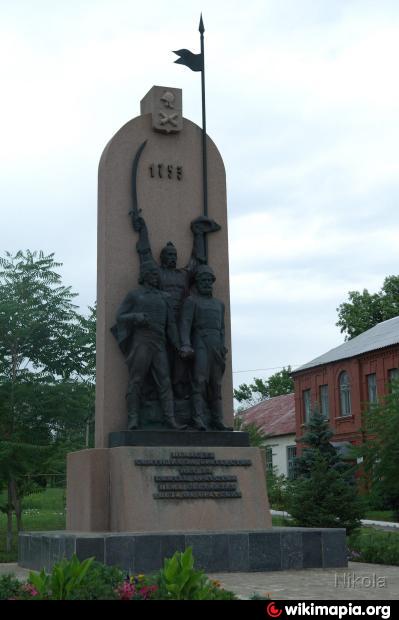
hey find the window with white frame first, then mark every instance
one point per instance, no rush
(324, 405)
(372, 388)
(291, 457)
(269, 459)
(345, 394)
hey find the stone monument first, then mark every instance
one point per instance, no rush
(163, 344)
(167, 470)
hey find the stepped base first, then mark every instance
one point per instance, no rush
(278, 548)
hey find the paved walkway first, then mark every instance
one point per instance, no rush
(358, 581)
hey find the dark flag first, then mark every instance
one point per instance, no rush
(195, 62)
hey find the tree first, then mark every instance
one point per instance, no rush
(381, 448)
(276, 385)
(45, 359)
(317, 443)
(257, 436)
(364, 310)
(324, 492)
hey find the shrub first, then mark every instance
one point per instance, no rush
(89, 580)
(178, 580)
(10, 587)
(277, 490)
(137, 589)
(370, 545)
(100, 583)
(380, 451)
(62, 582)
(325, 499)
(325, 493)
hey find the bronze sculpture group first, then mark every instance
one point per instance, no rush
(171, 332)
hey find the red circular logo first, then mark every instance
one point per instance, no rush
(273, 611)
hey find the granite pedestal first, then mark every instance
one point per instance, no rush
(278, 548)
(132, 505)
(212, 483)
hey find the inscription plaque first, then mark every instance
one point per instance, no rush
(195, 477)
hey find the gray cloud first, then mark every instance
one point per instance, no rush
(301, 103)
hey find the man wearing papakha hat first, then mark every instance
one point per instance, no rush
(202, 338)
(145, 323)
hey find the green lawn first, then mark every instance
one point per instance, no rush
(381, 515)
(375, 546)
(44, 510)
(278, 521)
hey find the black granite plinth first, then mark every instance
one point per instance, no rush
(211, 439)
(276, 549)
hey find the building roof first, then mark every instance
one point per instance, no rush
(275, 416)
(382, 335)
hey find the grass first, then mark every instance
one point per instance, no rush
(278, 521)
(375, 546)
(381, 515)
(44, 510)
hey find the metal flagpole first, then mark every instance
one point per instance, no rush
(196, 62)
(204, 149)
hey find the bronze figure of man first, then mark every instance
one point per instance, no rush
(176, 281)
(145, 323)
(202, 338)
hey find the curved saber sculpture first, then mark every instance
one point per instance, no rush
(135, 211)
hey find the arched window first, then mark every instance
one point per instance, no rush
(345, 394)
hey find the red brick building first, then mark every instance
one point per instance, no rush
(344, 380)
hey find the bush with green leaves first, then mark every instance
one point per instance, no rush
(179, 580)
(63, 581)
(277, 489)
(90, 580)
(375, 547)
(10, 587)
(101, 582)
(381, 452)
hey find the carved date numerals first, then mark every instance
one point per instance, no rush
(166, 171)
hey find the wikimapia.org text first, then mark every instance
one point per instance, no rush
(339, 611)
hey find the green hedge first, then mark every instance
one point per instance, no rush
(376, 547)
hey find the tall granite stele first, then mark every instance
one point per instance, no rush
(152, 486)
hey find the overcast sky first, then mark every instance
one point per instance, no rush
(302, 101)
